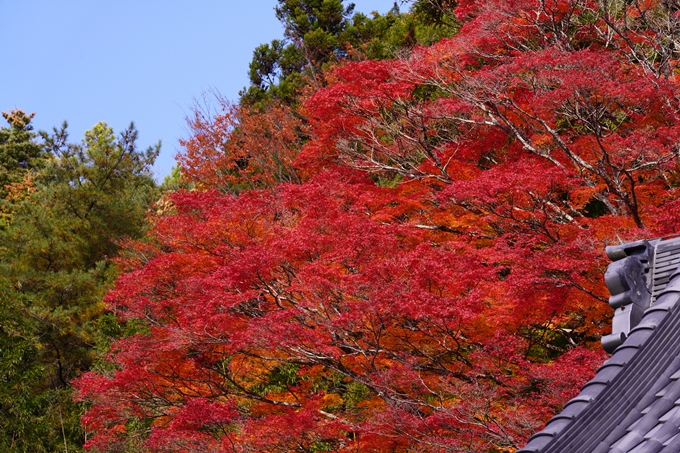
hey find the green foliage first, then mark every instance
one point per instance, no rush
(435, 12)
(301, 17)
(272, 62)
(54, 268)
(18, 150)
(275, 72)
(312, 30)
(319, 33)
(356, 393)
(385, 36)
(173, 181)
(279, 379)
(386, 179)
(595, 208)
(321, 445)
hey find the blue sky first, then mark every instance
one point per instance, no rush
(145, 61)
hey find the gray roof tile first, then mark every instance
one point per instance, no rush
(632, 405)
(673, 446)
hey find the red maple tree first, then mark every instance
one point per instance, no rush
(415, 264)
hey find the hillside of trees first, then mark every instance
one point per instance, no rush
(392, 242)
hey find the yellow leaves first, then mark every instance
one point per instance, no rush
(332, 401)
(164, 206)
(17, 118)
(504, 450)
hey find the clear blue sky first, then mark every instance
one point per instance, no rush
(118, 61)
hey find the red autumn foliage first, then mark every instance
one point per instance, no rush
(451, 307)
(383, 330)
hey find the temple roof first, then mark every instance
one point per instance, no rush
(632, 405)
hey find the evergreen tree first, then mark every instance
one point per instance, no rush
(54, 272)
(19, 151)
(318, 33)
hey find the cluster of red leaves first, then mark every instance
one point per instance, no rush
(293, 304)
(393, 335)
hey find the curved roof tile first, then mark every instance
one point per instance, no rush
(632, 405)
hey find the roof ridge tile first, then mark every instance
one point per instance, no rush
(632, 404)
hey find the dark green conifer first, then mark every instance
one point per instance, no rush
(54, 272)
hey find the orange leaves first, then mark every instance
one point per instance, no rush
(332, 401)
(21, 190)
(242, 148)
(205, 159)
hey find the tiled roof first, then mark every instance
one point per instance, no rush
(632, 405)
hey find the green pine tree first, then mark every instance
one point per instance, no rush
(322, 32)
(54, 272)
(19, 151)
